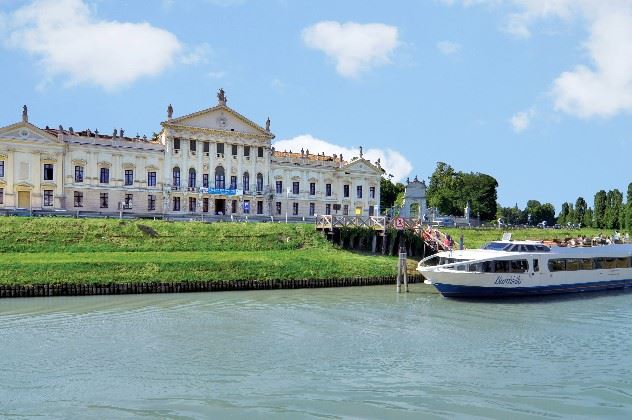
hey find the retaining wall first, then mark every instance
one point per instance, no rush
(64, 289)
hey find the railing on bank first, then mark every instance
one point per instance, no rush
(335, 222)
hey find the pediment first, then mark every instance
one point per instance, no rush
(24, 131)
(361, 165)
(221, 118)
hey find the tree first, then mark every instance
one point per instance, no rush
(580, 210)
(600, 209)
(443, 189)
(389, 192)
(627, 211)
(563, 217)
(588, 218)
(612, 213)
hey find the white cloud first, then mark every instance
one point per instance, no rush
(392, 161)
(197, 54)
(448, 47)
(520, 121)
(603, 86)
(69, 41)
(355, 47)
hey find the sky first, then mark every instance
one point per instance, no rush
(536, 93)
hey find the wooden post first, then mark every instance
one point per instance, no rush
(374, 243)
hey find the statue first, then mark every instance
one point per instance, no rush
(268, 124)
(302, 152)
(379, 162)
(61, 128)
(115, 133)
(169, 111)
(221, 97)
(71, 131)
(25, 114)
(360, 151)
(416, 179)
(122, 132)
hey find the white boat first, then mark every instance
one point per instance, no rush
(517, 268)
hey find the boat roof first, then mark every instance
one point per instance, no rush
(614, 250)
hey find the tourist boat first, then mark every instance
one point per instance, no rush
(516, 268)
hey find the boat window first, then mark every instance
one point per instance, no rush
(572, 264)
(461, 267)
(557, 265)
(502, 266)
(530, 248)
(623, 262)
(536, 266)
(586, 264)
(610, 262)
(496, 246)
(488, 267)
(475, 268)
(542, 248)
(519, 266)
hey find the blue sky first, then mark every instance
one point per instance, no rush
(536, 93)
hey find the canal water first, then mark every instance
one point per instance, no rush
(343, 352)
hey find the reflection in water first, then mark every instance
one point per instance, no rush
(362, 352)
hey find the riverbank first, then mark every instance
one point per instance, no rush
(99, 252)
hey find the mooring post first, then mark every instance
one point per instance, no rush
(374, 243)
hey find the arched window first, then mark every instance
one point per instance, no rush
(259, 183)
(246, 183)
(191, 178)
(220, 179)
(176, 177)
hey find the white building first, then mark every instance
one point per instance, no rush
(214, 161)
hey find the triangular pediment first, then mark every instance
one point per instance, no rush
(24, 131)
(221, 118)
(361, 165)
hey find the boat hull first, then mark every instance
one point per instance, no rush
(467, 291)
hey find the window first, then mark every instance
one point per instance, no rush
(151, 179)
(103, 201)
(104, 176)
(246, 206)
(246, 182)
(127, 204)
(295, 209)
(327, 209)
(328, 190)
(1, 195)
(220, 181)
(278, 207)
(359, 191)
(312, 188)
(371, 192)
(519, 266)
(345, 210)
(557, 265)
(1, 168)
(234, 151)
(192, 204)
(192, 177)
(48, 172)
(205, 180)
(176, 144)
(295, 187)
(206, 148)
(233, 206)
(48, 198)
(247, 151)
(78, 199)
(260, 152)
(279, 187)
(151, 202)
(176, 177)
(371, 210)
(192, 145)
(78, 173)
(233, 182)
(259, 183)
(205, 205)
(220, 148)
(312, 208)
(259, 207)
(129, 177)
(176, 203)
(345, 191)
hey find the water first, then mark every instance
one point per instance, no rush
(350, 352)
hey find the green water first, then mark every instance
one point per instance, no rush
(348, 352)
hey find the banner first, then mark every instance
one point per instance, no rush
(220, 191)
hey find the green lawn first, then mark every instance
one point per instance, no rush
(475, 238)
(56, 250)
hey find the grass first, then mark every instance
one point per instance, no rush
(51, 250)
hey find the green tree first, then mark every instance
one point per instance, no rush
(588, 218)
(443, 189)
(612, 213)
(580, 210)
(600, 209)
(627, 212)
(389, 192)
(563, 217)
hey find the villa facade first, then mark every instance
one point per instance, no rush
(214, 161)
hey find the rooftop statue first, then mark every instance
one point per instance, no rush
(169, 111)
(221, 96)
(268, 124)
(25, 114)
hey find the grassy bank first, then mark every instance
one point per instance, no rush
(51, 250)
